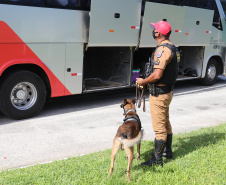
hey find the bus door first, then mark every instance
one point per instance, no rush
(114, 22)
(197, 27)
(155, 12)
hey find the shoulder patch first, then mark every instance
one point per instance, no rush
(159, 53)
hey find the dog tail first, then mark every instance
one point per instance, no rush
(134, 141)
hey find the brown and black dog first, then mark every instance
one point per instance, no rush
(128, 135)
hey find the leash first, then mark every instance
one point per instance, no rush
(141, 96)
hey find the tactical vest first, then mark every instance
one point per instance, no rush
(171, 71)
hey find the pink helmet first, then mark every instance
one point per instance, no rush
(162, 27)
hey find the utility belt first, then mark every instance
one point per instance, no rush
(155, 90)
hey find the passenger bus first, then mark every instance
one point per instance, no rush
(53, 48)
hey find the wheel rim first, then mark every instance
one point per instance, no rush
(212, 71)
(23, 96)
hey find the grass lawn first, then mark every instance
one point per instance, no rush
(199, 158)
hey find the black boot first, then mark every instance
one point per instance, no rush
(168, 148)
(157, 155)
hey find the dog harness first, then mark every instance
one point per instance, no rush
(132, 118)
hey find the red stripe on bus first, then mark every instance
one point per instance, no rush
(15, 51)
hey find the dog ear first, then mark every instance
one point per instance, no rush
(134, 100)
(123, 103)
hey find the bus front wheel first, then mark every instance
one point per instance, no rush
(22, 95)
(211, 73)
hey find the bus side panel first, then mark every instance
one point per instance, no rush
(74, 67)
(114, 22)
(14, 51)
(35, 25)
(155, 12)
(53, 56)
(46, 32)
(197, 27)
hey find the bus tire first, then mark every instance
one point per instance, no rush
(22, 95)
(211, 73)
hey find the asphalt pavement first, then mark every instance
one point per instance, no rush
(81, 124)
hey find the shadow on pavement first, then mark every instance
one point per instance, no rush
(62, 105)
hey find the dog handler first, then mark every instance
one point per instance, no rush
(162, 75)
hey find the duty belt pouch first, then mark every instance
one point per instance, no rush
(153, 90)
(156, 91)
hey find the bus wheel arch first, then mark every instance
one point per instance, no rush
(23, 92)
(28, 67)
(213, 69)
(220, 65)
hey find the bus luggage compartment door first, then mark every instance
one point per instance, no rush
(197, 27)
(114, 22)
(190, 26)
(155, 12)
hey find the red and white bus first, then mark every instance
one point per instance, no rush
(52, 48)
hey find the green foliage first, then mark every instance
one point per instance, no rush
(199, 158)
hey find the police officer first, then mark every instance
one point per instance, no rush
(163, 74)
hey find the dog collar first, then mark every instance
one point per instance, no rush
(130, 110)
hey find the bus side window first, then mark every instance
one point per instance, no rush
(62, 3)
(198, 3)
(217, 19)
(87, 4)
(223, 3)
(56, 3)
(176, 2)
(69, 4)
(83, 4)
(171, 2)
(191, 3)
(23, 2)
(185, 2)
